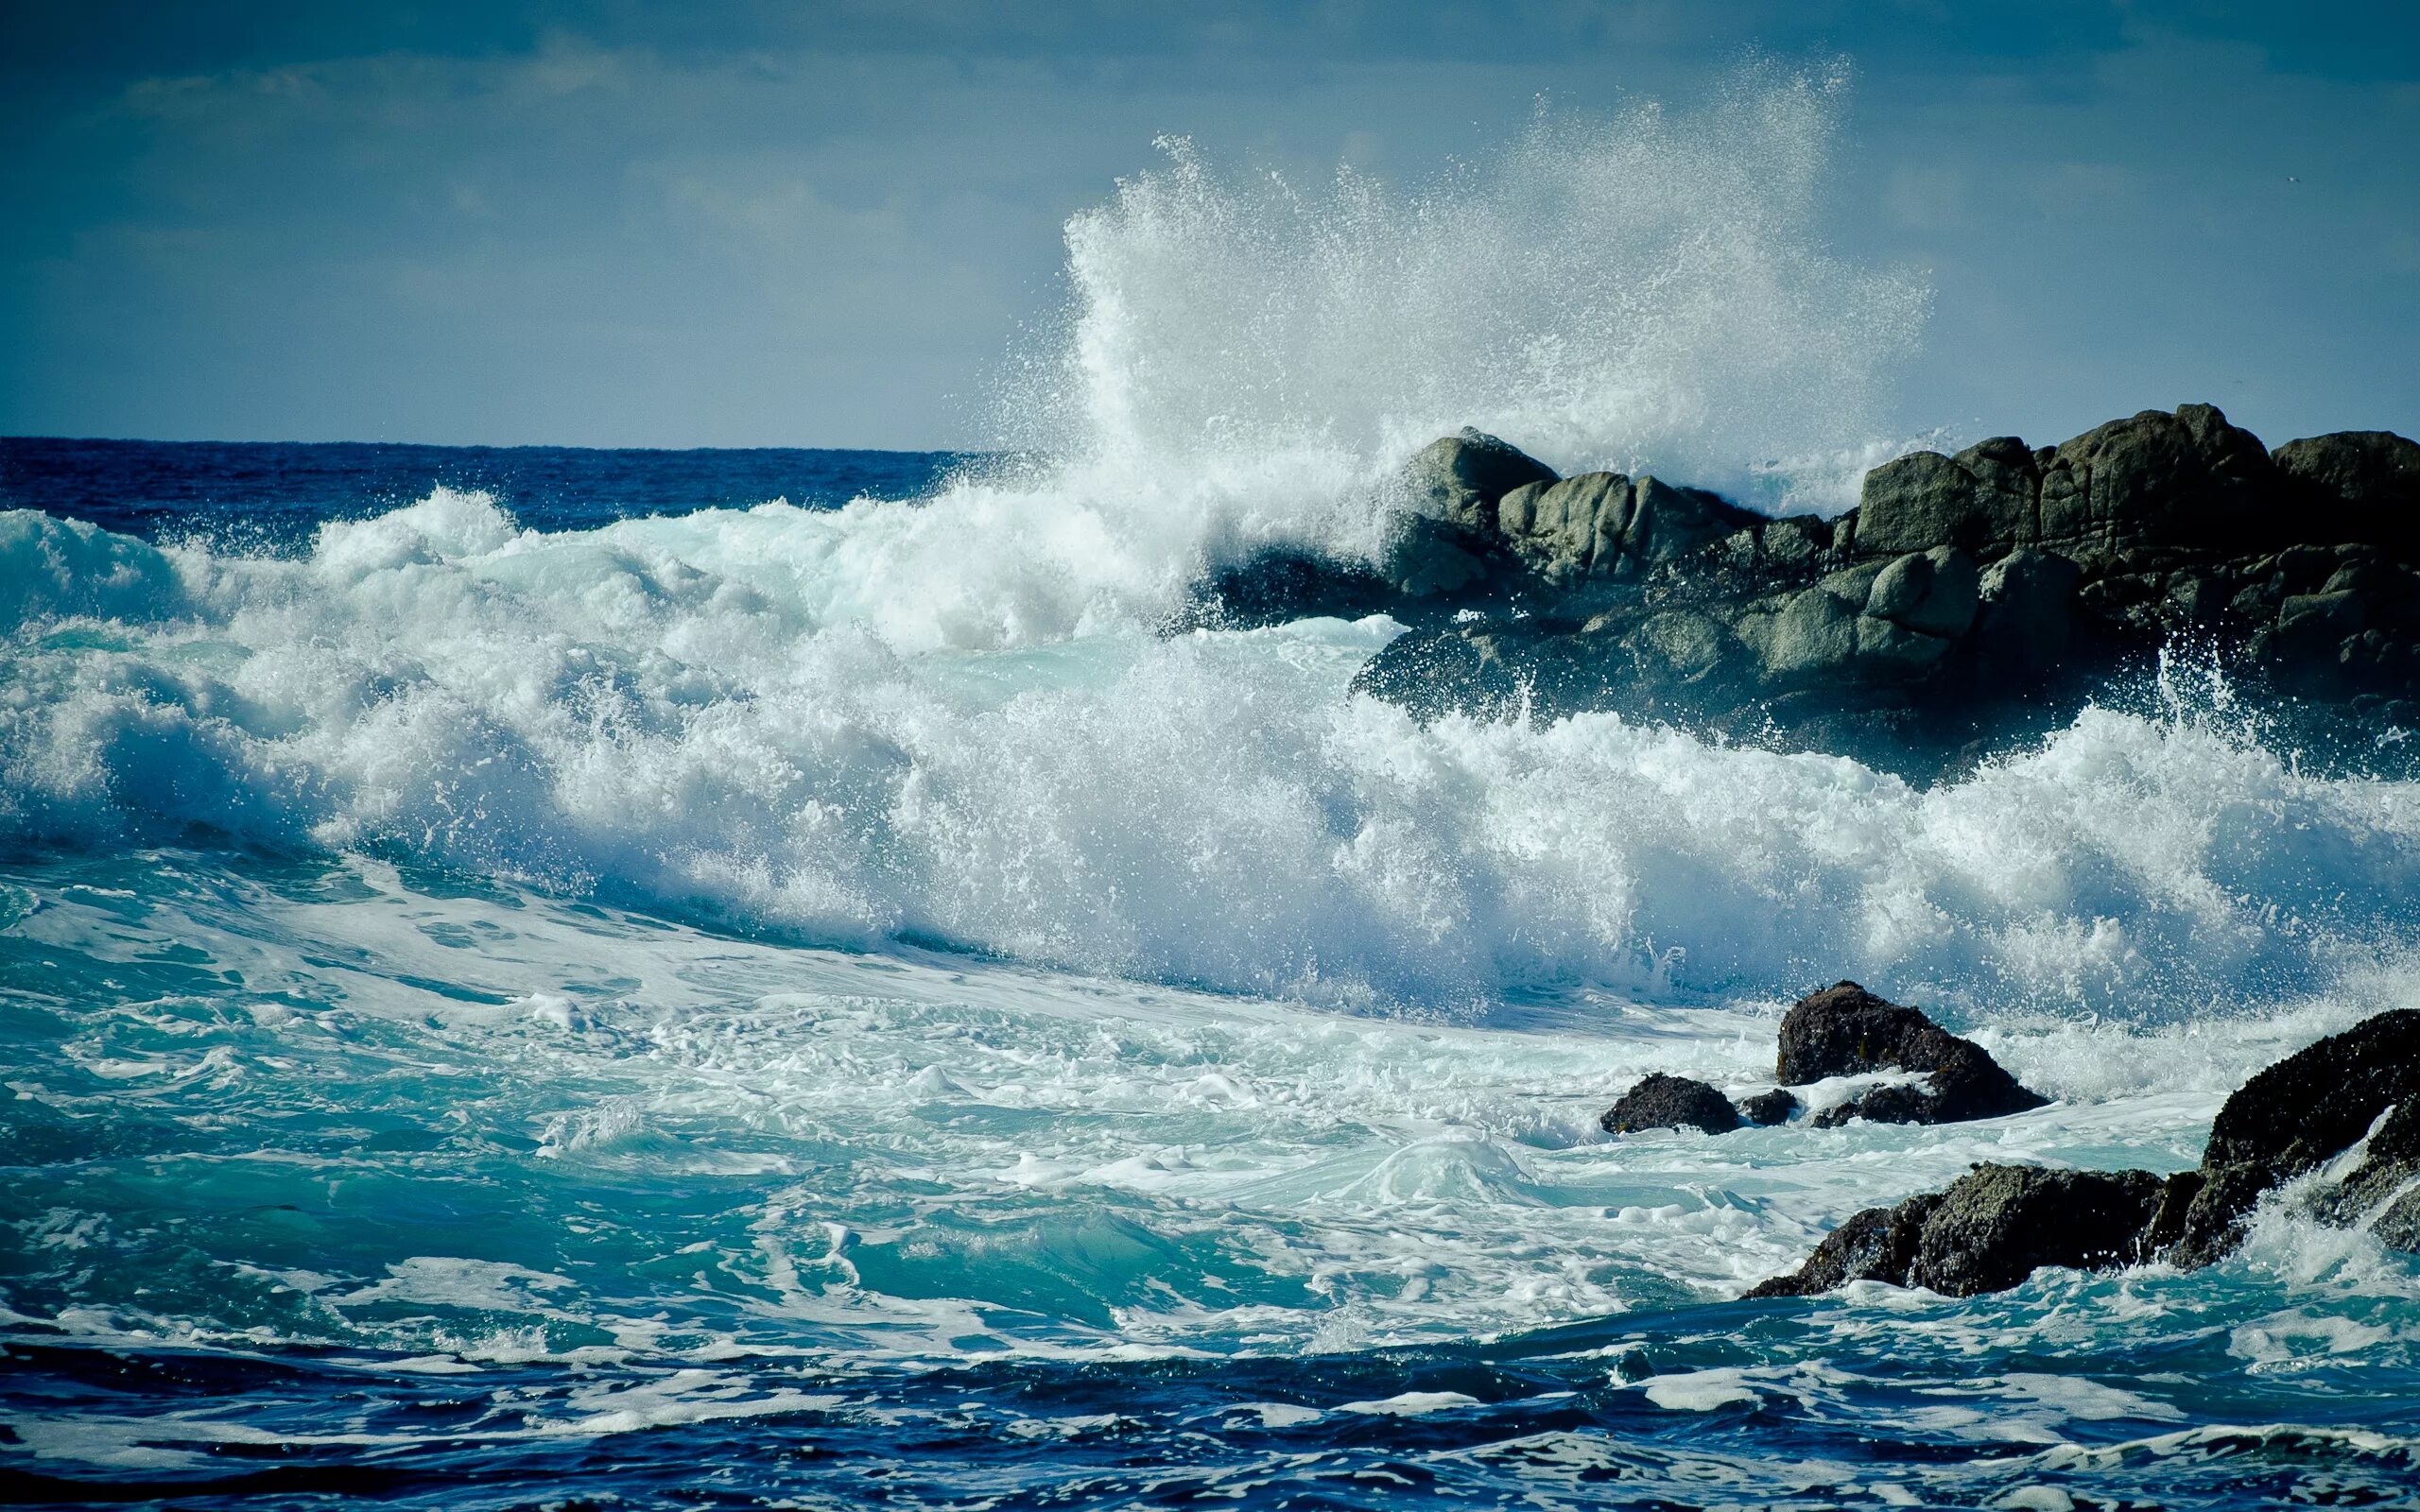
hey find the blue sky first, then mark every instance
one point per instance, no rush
(825, 224)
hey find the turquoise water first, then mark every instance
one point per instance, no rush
(774, 1007)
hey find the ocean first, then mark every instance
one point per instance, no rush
(582, 979)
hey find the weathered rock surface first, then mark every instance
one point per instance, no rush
(1661, 1101)
(1846, 1031)
(1966, 600)
(2353, 1097)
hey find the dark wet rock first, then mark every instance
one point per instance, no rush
(2353, 1096)
(1878, 1245)
(1768, 1108)
(1661, 1101)
(1846, 1031)
(2027, 618)
(2302, 1114)
(1991, 1229)
(1280, 586)
(1998, 1223)
(2365, 485)
(1967, 603)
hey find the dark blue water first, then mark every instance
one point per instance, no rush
(277, 491)
(528, 979)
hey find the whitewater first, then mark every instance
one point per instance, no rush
(789, 1003)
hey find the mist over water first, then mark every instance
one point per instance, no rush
(836, 996)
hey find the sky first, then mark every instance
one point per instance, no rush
(607, 223)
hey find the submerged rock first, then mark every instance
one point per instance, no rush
(1661, 1101)
(1846, 1031)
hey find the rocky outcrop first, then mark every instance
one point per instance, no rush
(1966, 600)
(2349, 1106)
(1846, 1031)
(1661, 1101)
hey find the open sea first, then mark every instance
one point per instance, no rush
(544, 978)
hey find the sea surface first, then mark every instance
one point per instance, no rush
(584, 979)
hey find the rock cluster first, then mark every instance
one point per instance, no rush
(2350, 1101)
(1961, 592)
(1842, 1031)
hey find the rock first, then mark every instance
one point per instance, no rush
(2354, 1096)
(1661, 1101)
(1983, 499)
(1569, 531)
(1846, 1031)
(1998, 1223)
(1768, 1108)
(1878, 1245)
(1429, 559)
(1813, 636)
(1931, 593)
(1279, 586)
(2364, 485)
(1460, 478)
(1669, 523)
(2296, 1116)
(2160, 481)
(1991, 1229)
(2027, 618)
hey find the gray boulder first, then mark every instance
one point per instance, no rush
(1602, 526)
(1981, 501)
(1661, 1101)
(1460, 478)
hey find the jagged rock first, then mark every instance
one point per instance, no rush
(1993, 1228)
(1768, 1108)
(1563, 531)
(1604, 526)
(1427, 558)
(1998, 1223)
(1846, 1031)
(2301, 1113)
(2354, 1093)
(1661, 1101)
